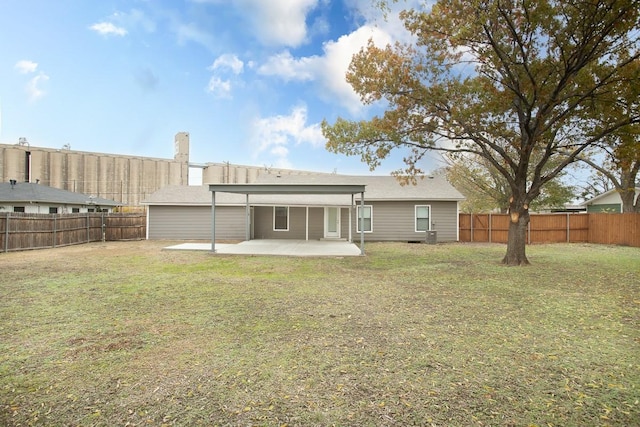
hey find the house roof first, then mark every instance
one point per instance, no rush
(377, 188)
(597, 198)
(28, 192)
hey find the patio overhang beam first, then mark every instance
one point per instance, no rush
(276, 189)
(287, 188)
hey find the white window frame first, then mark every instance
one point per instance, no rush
(358, 218)
(415, 218)
(274, 218)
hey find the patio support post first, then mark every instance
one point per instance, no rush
(350, 221)
(248, 213)
(362, 223)
(213, 221)
(306, 226)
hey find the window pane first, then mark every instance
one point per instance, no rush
(422, 224)
(367, 214)
(422, 218)
(280, 219)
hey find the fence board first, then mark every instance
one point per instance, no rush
(20, 231)
(606, 228)
(615, 229)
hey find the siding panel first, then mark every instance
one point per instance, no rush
(396, 221)
(194, 222)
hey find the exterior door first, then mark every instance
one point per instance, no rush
(332, 223)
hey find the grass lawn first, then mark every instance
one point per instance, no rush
(438, 335)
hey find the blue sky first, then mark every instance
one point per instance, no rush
(250, 80)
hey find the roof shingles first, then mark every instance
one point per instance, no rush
(377, 188)
(26, 192)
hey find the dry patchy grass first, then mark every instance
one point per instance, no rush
(129, 334)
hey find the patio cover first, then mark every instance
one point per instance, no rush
(248, 189)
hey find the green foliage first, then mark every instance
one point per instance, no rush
(617, 156)
(486, 189)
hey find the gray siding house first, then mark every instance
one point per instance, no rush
(391, 211)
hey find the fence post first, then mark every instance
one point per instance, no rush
(55, 229)
(471, 227)
(529, 230)
(489, 227)
(568, 229)
(6, 233)
(88, 230)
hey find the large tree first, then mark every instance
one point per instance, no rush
(619, 165)
(512, 81)
(617, 155)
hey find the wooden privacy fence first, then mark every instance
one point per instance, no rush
(20, 231)
(605, 228)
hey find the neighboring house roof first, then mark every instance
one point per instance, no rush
(611, 196)
(377, 188)
(27, 192)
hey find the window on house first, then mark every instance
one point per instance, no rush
(423, 214)
(75, 210)
(53, 210)
(281, 218)
(18, 209)
(365, 222)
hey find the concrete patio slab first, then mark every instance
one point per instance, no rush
(278, 247)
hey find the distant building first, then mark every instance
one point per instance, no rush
(125, 179)
(26, 197)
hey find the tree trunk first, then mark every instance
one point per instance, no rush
(517, 238)
(628, 197)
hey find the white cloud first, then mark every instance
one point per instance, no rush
(285, 66)
(26, 66)
(228, 61)
(107, 28)
(34, 86)
(272, 136)
(329, 70)
(219, 88)
(278, 22)
(225, 68)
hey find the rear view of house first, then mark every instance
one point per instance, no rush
(389, 211)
